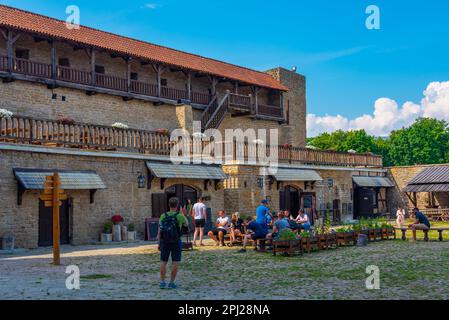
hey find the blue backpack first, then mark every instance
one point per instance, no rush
(170, 231)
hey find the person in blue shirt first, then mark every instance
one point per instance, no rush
(255, 231)
(421, 222)
(262, 211)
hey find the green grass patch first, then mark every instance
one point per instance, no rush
(96, 276)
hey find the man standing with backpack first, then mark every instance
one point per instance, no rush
(170, 243)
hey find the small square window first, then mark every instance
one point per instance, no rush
(99, 69)
(64, 62)
(134, 76)
(164, 82)
(23, 54)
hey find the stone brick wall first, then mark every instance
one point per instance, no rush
(121, 196)
(295, 102)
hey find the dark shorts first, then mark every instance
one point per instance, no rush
(171, 249)
(216, 231)
(200, 223)
(257, 236)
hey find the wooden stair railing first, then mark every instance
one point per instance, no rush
(215, 113)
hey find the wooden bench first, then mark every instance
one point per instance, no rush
(261, 244)
(426, 232)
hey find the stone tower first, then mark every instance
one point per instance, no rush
(294, 131)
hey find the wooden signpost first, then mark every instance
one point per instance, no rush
(52, 197)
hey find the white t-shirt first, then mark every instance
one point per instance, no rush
(199, 211)
(221, 221)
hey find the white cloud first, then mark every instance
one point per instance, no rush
(387, 114)
(151, 6)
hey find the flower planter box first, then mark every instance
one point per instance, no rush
(106, 237)
(345, 238)
(388, 233)
(287, 246)
(310, 243)
(326, 241)
(375, 234)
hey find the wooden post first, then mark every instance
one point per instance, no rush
(56, 236)
(10, 40)
(214, 81)
(159, 70)
(53, 60)
(128, 73)
(256, 101)
(92, 66)
(189, 85)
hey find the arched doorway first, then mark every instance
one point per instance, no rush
(182, 192)
(289, 200)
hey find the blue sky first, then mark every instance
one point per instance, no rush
(347, 66)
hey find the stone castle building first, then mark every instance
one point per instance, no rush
(99, 108)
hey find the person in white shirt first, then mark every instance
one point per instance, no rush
(400, 217)
(199, 213)
(221, 229)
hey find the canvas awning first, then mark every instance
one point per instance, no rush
(169, 170)
(381, 182)
(33, 179)
(287, 174)
(432, 179)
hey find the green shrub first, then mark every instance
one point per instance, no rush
(107, 227)
(287, 235)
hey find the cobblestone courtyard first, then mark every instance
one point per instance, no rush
(408, 271)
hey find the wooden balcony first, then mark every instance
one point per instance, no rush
(70, 75)
(52, 133)
(270, 111)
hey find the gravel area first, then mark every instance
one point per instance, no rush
(407, 271)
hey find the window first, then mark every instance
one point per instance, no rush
(23, 54)
(64, 62)
(134, 76)
(99, 69)
(164, 82)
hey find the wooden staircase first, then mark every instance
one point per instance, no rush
(237, 105)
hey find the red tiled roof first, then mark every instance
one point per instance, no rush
(45, 26)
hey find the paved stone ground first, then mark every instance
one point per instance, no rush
(408, 271)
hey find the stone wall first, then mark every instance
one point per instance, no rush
(295, 102)
(121, 196)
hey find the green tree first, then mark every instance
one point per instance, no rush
(424, 142)
(344, 141)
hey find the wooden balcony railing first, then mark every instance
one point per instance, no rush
(28, 67)
(240, 101)
(271, 111)
(44, 70)
(73, 75)
(26, 130)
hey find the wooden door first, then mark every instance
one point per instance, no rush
(365, 202)
(46, 224)
(158, 204)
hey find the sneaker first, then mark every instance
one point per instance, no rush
(241, 251)
(202, 245)
(171, 285)
(163, 285)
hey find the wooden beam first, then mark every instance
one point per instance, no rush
(92, 66)
(128, 73)
(214, 81)
(189, 85)
(53, 61)
(159, 69)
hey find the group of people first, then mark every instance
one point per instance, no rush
(420, 221)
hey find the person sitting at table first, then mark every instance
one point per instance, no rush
(303, 220)
(280, 224)
(221, 229)
(421, 222)
(255, 231)
(237, 227)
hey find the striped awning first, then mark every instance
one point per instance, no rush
(382, 182)
(288, 174)
(186, 171)
(33, 179)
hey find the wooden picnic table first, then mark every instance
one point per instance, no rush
(426, 232)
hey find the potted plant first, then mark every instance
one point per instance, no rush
(116, 228)
(5, 114)
(387, 230)
(132, 234)
(106, 235)
(286, 242)
(309, 241)
(119, 125)
(344, 235)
